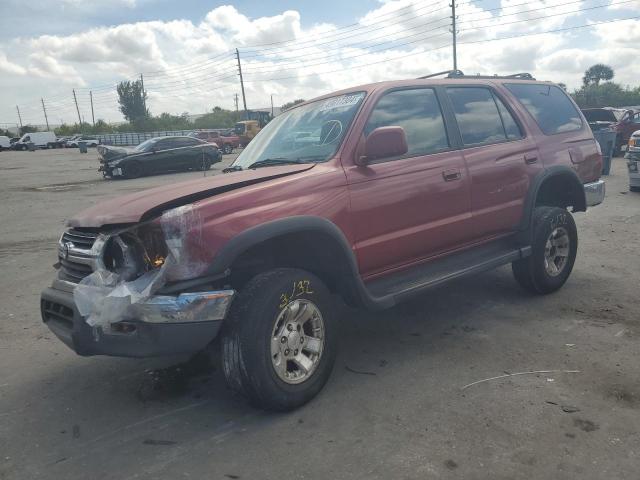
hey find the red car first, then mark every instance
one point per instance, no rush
(226, 143)
(624, 122)
(375, 194)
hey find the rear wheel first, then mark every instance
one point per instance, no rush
(554, 248)
(279, 341)
(133, 170)
(227, 149)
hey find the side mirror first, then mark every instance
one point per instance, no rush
(383, 142)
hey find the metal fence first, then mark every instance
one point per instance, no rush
(135, 138)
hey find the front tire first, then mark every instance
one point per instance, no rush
(279, 340)
(554, 248)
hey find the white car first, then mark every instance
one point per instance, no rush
(5, 142)
(90, 141)
(633, 161)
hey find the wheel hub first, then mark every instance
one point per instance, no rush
(297, 341)
(556, 252)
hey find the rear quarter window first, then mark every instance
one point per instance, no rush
(549, 106)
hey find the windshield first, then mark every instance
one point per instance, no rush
(601, 115)
(310, 133)
(145, 145)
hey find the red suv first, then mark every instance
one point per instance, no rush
(375, 193)
(226, 143)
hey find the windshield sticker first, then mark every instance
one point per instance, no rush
(341, 101)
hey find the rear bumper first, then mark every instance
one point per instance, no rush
(594, 193)
(160, 326)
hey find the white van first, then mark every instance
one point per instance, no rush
(5, 142)
(39, 139)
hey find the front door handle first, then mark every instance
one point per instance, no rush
(529, 158)
(451, 175)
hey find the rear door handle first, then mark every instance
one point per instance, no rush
(529, 158)
(451, 175)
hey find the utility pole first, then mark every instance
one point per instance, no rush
(454, 32)
(93, 118)
(244, 98)
(75, 99)
(19, 118)
(45, 113)
(144, 100)
(272, 105)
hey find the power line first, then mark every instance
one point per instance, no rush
(261, 53)
(344, 27)
(444, 46)
(339, 48)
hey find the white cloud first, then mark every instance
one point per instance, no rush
(8, 67)
(190, 66)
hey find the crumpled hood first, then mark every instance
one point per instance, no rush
(147, 204)
(108, 152)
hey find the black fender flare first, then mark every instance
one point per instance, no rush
(555, 171)
(253, 236)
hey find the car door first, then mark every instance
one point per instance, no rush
(189, 152)
(162, 154)
(415, 206)
(501, 160)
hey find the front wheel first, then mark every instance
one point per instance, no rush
(554, 248)
(279, 341)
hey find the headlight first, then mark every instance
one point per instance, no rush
(135, 251)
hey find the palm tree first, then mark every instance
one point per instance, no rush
(597, 72)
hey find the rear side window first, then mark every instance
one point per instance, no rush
(511, 128)
(482, 118)
(418, 112)
(549, 106)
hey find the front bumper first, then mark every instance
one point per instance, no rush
(633, 166)
(594, 193)
(159, 326)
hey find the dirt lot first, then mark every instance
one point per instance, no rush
(395, 406)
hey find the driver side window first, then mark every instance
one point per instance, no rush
(418, 112)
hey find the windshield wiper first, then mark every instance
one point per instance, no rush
(274, 161)
(284, 161)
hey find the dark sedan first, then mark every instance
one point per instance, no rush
(160, 154)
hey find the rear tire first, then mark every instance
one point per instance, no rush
(554, 248)
(227, 149)
(133, 170)
(276, 323)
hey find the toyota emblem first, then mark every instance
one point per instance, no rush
(65, 250)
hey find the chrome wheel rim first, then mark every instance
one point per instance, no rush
(297, 341)
(556, 251)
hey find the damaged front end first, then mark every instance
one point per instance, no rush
(118, 291)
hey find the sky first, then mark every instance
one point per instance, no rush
(185, 50)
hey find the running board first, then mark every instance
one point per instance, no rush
(399, 286)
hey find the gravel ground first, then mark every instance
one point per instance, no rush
(395, 407)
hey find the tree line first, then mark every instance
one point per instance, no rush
(597, 90)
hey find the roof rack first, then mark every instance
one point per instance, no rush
(460, 74)
(450, 73)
